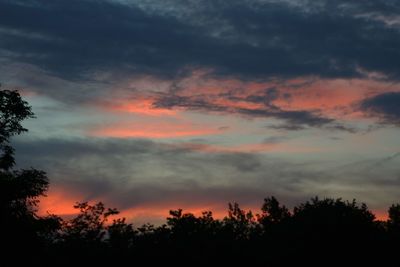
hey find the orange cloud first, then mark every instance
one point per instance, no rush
(330, 98)
(238, 104)
(335, 98)
(139, 105)
(155, 129)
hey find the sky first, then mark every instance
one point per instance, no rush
(155, 105)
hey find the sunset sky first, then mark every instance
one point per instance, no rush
(153, 105)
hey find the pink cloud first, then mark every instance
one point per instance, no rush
(325, 98)
(155, 129)
(139, 105)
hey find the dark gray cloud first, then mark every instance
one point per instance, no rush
(248, 39)
(287, 127)
(296, 119)
(275, 139)
(129, 173)
(385, 107)
(79, 51)
(192, 103)
(341, 127)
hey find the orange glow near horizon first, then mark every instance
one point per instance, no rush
(381, 215)
(60, 202)
(161, 211)
(136, 117)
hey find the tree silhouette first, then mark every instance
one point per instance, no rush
(325, 225)
(13, 110)
(394, 217)
(239, 221)
(272, 212)
(121, 235)
(393, 223)
(21, 227)
(89, 226)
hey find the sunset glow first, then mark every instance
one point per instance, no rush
(154, 105)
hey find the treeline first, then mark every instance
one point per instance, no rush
(319, 232)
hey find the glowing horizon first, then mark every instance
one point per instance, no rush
(204, 104)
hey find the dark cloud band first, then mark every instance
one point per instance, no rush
(255, 39)
(385, 107)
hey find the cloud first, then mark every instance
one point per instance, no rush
(285, 60)
(297, 103)
(275, 139)
(135, 174)
(136, 105)
(385, 107)
(257, 39)
(296, 118)
(129, 68)
(287, 127)
(153, 130)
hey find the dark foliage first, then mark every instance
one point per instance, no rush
(22, 230)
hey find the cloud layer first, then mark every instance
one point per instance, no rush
(137, 174)
(147, 104)
(256, 39)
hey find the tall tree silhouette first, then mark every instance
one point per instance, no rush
(13, 110)
(19, 189)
